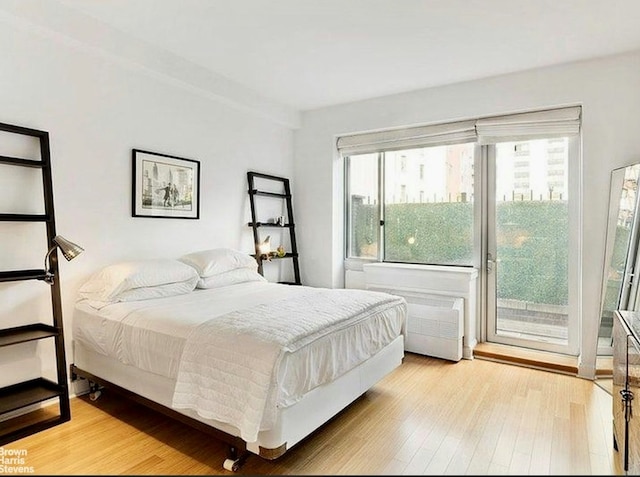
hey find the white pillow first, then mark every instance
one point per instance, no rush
(218, 260)
(139, 280)
(239, 275)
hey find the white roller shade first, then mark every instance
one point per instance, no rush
(561, 122)
(420, 136)
(520, 127)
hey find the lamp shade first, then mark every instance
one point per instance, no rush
(265, 246)
(69, 249)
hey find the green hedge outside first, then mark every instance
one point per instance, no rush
(532, 241)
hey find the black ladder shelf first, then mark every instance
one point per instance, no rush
(289, 224)
(22, 395)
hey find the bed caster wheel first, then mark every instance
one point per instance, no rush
(94, 391)
(235, 459)
(231, 465)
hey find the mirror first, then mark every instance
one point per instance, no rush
(619, 291)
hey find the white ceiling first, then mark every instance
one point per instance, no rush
(307, 54)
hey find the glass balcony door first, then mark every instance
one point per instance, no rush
(529, 253)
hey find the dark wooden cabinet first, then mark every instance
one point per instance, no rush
(626, 389)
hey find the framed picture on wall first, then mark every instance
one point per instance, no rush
(165, 186)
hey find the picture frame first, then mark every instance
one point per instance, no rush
(164, 186)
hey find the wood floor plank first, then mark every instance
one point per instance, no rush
(543, 437)
(421, 459)
(579, 444)
(520, 464)
(443, 456)
(468, 443)
(474, 417)
(561, 459)
(394, 467)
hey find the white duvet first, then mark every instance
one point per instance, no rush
(239, 352)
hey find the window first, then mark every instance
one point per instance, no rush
(410, 192)
(426, 221)
(516, 221)
(363, 206)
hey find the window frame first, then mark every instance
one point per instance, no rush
(562, 121)
(355, 263)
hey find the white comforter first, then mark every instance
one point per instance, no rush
(229, 366)
(152, 335)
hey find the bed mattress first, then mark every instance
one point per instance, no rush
(151, 334)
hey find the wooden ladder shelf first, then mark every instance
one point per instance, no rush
(23, 395)
(289, 224)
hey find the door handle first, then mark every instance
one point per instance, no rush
(629, 278)
(491, 262)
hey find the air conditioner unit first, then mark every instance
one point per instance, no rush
(441, 300)
(435, 326)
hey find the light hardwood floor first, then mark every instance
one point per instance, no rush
(429, 416)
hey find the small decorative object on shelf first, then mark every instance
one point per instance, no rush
(281, 251)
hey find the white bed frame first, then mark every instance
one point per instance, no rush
(292, 425)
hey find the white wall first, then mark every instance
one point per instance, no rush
(608, 90)
(96, 111)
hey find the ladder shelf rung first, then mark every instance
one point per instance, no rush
(31, 428)
(268, 176)
(26, 393)
(12, 128)
(269, 224)
(24, 217)
(17, 161)
(18, 275)
(286, 255)
(22, 334)
(264, 193)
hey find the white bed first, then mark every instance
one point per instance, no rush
(152, 347)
